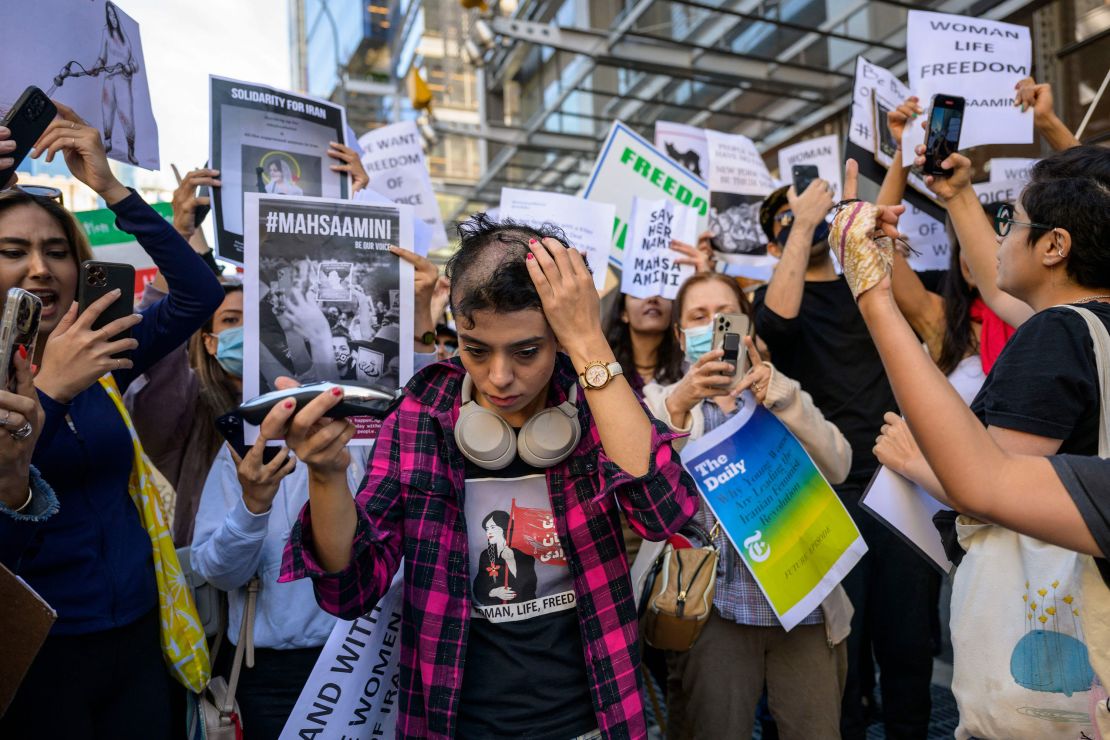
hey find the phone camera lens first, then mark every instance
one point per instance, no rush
(97, 277)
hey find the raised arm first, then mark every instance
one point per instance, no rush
(784, 293)
(1039, 97)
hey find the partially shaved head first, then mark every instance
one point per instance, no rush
(488, 269)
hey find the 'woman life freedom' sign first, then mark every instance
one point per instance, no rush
(784, 519)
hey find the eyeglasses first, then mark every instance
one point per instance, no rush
(1003, 220)
(785, 218)
(41, 191)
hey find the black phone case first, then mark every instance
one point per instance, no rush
(932, 160)
(230, 427)
(27, 119)
(99, 278)
(803, 175)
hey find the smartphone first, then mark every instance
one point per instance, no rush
(729, 330)
(27, 119)
(18, 326)
(99, 278)
(943, 133)
(230, 426)
(803, 175)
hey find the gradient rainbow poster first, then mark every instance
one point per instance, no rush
(784, 519)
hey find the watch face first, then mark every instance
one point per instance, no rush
(597, 375)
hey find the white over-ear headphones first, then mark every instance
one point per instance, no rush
(489, 442)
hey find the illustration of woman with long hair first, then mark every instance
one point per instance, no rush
(505, 574)
(117, 62)
(281, 179)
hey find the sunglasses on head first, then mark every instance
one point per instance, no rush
(41, 191)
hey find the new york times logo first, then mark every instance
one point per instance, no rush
(325, 224)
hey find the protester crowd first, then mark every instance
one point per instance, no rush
(987, 392)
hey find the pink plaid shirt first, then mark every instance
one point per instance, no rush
(411, 507)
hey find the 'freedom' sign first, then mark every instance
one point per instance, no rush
(979, 60)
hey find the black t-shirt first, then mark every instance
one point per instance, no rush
(829, 351)
(1087, 480)
(525, 671)
(1045, 382)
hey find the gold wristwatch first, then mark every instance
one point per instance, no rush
(596, 375)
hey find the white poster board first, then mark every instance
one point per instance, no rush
(684, 144)
(1006, 191)
(394, 158)
(89, 56)
(1003, 169)
(978, 60)
(738, 183)
(823, 151)
(588, 225)
(928, 238)
(650, 265)
(908, 511)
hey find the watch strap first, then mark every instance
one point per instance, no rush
(428, 337)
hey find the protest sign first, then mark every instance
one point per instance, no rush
(354, 689)
(323, 298)
(89, 56)
(977, 59)
(629, 166)
(782, 517)
(650, 267)
(265, 140)
(112, 245)
(1006, 191)
(907, 510)
(684, 144)
(1003, 169)
(870, 77)
(824, 151)
(394, 158)
(928, 238)
(738, 183)
(588, 225)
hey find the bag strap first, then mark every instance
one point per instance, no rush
(245, 646)
(1101, 340)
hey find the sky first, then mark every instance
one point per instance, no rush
(186, 40)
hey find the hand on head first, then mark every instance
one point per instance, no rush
(566, 288)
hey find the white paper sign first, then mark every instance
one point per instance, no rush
(979, 60)
(394, 158)
(738, 183)
(1007, 191)
(650, 265)
(908, 510)
(87, 55)
(1003, 169)
(824, 151)
(871, 77)
(588, 225)
(354, 689)
(928, 238)
(684, 144)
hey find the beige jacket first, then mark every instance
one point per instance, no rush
(818, 436)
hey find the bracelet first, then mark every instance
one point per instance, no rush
(30, 495)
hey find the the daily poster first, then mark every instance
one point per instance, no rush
(88, 55)
(784, 519)
(323, 297)
(684, 144)
(824, 152)
(588, 225)
(630, 166)
(394, 159)
(265, 140)
(738, 183)
(651, 267)
(979, 60)
(354, 689)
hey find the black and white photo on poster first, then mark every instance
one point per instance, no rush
(265, 140)
(89, 56)
(324, 298)
(518, 569)
(734, 221)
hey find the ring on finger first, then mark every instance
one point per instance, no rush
(7, 415)
(23, 432)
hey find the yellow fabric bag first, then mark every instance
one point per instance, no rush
(183, 643)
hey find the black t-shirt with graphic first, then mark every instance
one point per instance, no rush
(525, 671)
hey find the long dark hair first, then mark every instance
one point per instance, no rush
(116, 29)
(218, 393)
(668, 358)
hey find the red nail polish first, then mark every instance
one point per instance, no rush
(23, 352)
(530, 256)
(289, 404)
(337, 391)
(531, 241)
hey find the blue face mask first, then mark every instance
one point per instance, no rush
(229, 351)
(820, 234)
(699, 340)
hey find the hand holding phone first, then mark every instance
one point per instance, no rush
(19, 327)
(729, 330)
(27, 120)
(97, 280)
(260, 468)
(803, 175)
(943, 133)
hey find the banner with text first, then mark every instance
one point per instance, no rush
(650, 265)
(979, 60)
(394, 158)
(784, 519)
(1003, 169)
(353, 690)
(824, 152)
(629, 166)
(738, 183)
(928, 238)
(1004, 191)
(587, 224)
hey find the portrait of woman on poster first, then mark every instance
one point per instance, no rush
(281, 179)
(505, 574)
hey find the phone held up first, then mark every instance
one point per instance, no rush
(100, 278)
(729, 330)
(803, 175)
(27, 119)
(18, 326)
(230, 426)
(943, 133)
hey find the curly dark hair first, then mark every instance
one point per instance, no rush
(488, 270)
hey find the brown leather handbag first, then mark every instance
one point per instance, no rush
(682, 584)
